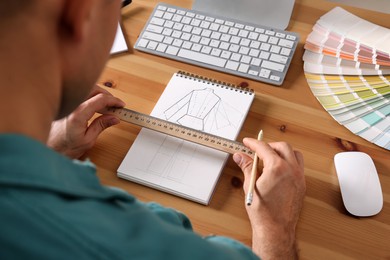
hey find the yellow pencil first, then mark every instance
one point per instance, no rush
(249, 196)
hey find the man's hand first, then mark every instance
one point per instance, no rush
(277, 199)
(72, 136)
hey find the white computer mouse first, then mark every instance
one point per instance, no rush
(359, 183)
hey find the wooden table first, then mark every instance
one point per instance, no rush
(289, 113)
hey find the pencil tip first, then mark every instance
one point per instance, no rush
(260, 136)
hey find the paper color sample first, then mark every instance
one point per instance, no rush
(347, 66)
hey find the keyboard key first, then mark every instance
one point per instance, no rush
(273, 66)
(255, 44)
(186, 36)
(172, 50)
(275, 49)
(275, 78)
(286, 43)
(153, 36)
(278, 58)
(226, 54)
(264, 73)
(246, 59)
(159, 14)
(214, 43)
(187, 45)
(168, 40)
(210, 19)
(186, 20)
(263, 38)
(168, 24)
(233, 31)
(196, 47)
(259, 30)
(157, 21)
(187, 28)
(177, 43)
(254, 53)
(273, 40)
(264, 55)
(224, 45)
(256, 62)
(205, 41)
(291, 37)
(197, 31)
(205, 24)
(214, 26)
(253, 72)
(232, 65)
(190, 14)
(200, 57)
(285, 51)
(236, 57)
(253, 36)
(235, 40)
(161, 47)
(206, 33)
(152, 45)
(216, 52)
(224, 29)
(143, 43)
(243, 68)
(215, 35)
(195, 22)
(177, 18)
(206, 49)
(265, 47)
(167, 31)
(244, 50)
(225, 37)
(168, 16)
(176, 34)
(234, 48)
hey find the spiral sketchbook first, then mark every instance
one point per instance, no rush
(180, 167)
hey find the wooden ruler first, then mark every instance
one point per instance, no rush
(179, 131)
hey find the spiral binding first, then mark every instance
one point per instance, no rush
(214, 82)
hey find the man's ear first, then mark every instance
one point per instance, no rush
(75, 17)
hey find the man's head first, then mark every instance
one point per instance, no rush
(88, 30)
(64, 44)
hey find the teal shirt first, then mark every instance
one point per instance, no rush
(55, 208)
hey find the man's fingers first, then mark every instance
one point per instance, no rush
(98, 90)
(97, 103)
(245, 163)
(98, 125)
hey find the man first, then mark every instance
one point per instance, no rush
(53, 207)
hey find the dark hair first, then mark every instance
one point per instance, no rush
(10, 8)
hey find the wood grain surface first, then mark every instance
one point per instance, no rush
(288, 113)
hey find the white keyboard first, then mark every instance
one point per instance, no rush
(227, 45)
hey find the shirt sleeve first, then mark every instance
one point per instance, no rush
(218, 246)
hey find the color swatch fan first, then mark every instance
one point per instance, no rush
(347, 66)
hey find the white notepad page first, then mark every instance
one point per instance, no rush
(119, 44)
(181, 167)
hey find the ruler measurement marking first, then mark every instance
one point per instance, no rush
(179, 131)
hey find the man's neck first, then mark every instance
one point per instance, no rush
(29, 86)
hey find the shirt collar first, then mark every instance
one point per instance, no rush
(29, 164)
